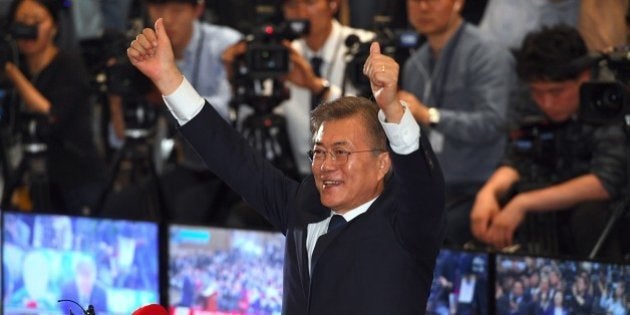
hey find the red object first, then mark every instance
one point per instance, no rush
(151, 309)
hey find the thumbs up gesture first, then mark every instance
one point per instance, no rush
(383, 71)
(152, 54)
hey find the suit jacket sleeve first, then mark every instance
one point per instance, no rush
(228, 155)
(420, 222)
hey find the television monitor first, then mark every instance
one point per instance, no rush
(109, 264)
(460, 283)
(222, 271)
(544, 285)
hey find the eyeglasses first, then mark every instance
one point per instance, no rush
(338, 156)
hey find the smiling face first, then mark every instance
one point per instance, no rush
(345, 186)
(32, 13)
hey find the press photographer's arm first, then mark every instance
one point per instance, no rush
(496, 226)
(33, 98)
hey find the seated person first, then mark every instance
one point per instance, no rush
(587, 170)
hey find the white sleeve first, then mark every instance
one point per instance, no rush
(404, 136)
(184, 103)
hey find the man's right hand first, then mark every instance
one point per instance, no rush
(152, 54)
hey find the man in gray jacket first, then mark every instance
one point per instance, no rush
(458, 85)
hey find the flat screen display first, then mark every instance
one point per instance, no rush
(541, 285)
(460, 283)
(218, 271)
(109, 264)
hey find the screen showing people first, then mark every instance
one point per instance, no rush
(538, 285)
(460, 283)
(224, 271)
(111, 265)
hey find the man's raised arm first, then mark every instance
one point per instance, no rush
(152, 54)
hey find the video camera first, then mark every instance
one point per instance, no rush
(266, 57)
(256, 80)
(9, 53)
(607, 96)
(113, 74)
(8, 49)
(15, 31)
(396, 43)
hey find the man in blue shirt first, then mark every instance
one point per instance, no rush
(191, 191)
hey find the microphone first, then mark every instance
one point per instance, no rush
(89, 311)
(151, 309)
(352, 42)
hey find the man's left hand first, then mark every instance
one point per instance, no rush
(382, 71)
(504, 224)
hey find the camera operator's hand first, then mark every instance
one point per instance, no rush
(382, 71)
(152, 54)
(485, 208)
(301, 72)
(229, 56)
(419, 111)
(504, 224)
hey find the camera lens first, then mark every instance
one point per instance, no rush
(609, 100)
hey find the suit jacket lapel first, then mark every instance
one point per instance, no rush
(302, 256)
(322, 244)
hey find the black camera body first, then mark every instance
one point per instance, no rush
(266, 57)
(256, 74)
(8, 50)
(606, 98)
(396, 43)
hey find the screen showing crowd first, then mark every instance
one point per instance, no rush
(109, 264)
(538, 285)
(224, 271)
(460, 283)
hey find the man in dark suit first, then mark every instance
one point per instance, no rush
(83, 289)
(371, 168)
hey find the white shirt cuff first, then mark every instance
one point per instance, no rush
(404, 136)
(184, 103)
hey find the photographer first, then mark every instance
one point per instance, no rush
(457, 85)
(53, 86)
(197, 47)
(588, 171)
(317, 68)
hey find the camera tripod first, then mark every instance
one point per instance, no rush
(266, 132)
(133, 165)
(32, 171)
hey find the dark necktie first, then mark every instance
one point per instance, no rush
(336, 222)
(316, 64)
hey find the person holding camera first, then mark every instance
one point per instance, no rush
(53, 87)
(197, 47)
(318, 67)
(458, 85)
(588, 171)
